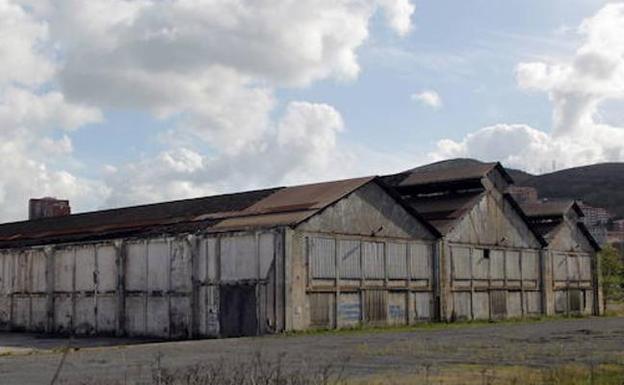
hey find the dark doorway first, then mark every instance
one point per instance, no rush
(237, 310)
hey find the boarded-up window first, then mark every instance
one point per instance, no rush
(420, 260)
(512, 266)
(480, 264)
(585, 267)
(397, 260)
(373, 254)
(349, 256)
(461, 262)
(497, 264)
(322, 257)
(530, 265)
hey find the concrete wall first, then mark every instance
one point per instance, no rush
(164, 287)
(491, 264)
(364, 260)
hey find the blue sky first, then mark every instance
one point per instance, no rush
(141, 101)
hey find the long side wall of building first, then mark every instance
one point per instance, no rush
(167, 287)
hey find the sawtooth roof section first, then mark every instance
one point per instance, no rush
(547, 217)
(445, 173)
(551, 208)
(443, 211)
(260, 208)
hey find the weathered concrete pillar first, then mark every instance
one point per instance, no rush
(49, 277)
(547, 283)
(597, 286)
(445, 274)
(120, 291)
(193, 245)
(285, 283)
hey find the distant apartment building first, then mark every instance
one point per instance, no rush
(597, 220)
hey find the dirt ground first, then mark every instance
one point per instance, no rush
(29, 359)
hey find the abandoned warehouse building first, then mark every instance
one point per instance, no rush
(569, 258)
(428, 244)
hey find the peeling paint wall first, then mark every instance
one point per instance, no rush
(364, 260)
(573, 287)
(165, 287)
(491, 264)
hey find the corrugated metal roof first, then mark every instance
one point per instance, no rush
(445, 173)
(548, 209)
(261, 208)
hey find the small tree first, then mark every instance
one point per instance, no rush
(612, 269)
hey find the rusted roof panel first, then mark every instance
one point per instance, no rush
(261, 208)
(426, 175)
(550, 208)
(306, 197)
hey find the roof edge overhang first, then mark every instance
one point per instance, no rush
(509, 198)
(592, 241)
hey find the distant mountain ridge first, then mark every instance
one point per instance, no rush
(600, 185)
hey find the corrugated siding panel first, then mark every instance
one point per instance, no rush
(349, 257)
(480, 264)
(6, 276)
(238, 257)
(585, 262)
(181, 266)
(420, 260)
(422, 304)
(512, 267)
(107, 268)
(373, 254)
(497, 264)
(38, 279)
(499, 303)
(397, 260)
(322, 257)
(135, 274)
(376, 306)
(533, 302)
(514, 304)
(461, 262)
(158, 274)
(85, 268)
(320, 309)
(561, 301)
(64, 269)
(560, 269)
(573, 268)
(461, 305)
(481, 305)
(267, 253)
(530, 265)
(349, 309)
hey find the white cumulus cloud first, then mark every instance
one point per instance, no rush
(211, 68)
(429, 98)
(577, 88)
